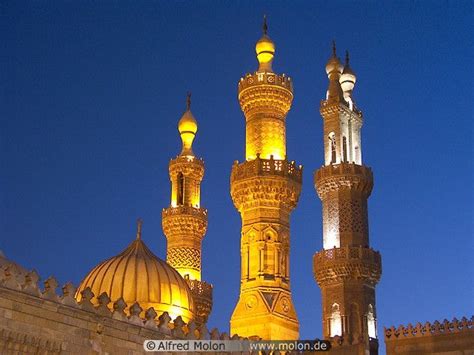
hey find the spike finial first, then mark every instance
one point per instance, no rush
(188, 101)
(139, 228)
(265, 26)
(334, 48)
(347, 58)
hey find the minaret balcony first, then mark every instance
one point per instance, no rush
(347, 263)
(185, 210)
(344, 175)
(266, 167)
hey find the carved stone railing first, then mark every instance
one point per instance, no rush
(266, 167)
(429, 329)
(267, 78)
(185, 210)
(343, 175)
(187, 159)
(334, 265)
(325, 104)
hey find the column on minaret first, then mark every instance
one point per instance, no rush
(347, 269)
(185, 221)
(265, 189)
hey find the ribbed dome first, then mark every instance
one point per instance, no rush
(137, 275)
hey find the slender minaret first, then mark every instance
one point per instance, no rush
(347, 270)
(265, 189)
(185, 222)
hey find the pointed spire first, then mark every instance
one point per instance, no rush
(188, 101)
(334, 49)
(139, 228)
(265, 26)
(347, 58)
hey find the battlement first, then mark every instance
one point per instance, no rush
(429, 329)
(265, 78)
(266, 167)
(16, 287)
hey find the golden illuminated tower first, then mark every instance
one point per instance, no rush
(347, 269)
(185, 222)
(265, 189)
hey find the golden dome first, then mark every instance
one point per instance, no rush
(137, 275)
(265, 49)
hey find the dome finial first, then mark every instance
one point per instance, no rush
(139, 228)
(188, 101)
(265, 49)
(334, 49)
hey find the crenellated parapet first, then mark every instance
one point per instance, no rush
(336, 265)
(344, 176)
(430, 329)
(18, 287)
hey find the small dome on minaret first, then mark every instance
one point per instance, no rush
(265, 49)
(348, 77)
(187, 127)
(333, 63)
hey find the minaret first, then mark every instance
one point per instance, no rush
(347, 270)
(185, 222)
(265, 189)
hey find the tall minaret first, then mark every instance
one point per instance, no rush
(265, 189)
(347, 270)
(185, 222)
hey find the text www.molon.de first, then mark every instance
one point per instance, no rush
(235, 345)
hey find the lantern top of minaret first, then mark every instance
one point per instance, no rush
(333, 64)
(187, 127)
(265, 49)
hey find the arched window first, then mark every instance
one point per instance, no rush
(180, 189)
(335, 325)
(344, 149)
(371, 326)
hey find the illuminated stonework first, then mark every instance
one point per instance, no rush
(347, 269)
(185, 222)
(265, 189)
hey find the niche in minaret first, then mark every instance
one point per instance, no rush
(344, 149)
(180, 189)
(332, 145)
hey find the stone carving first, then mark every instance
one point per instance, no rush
(184, 257)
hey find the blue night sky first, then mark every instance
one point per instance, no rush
(91, 93)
